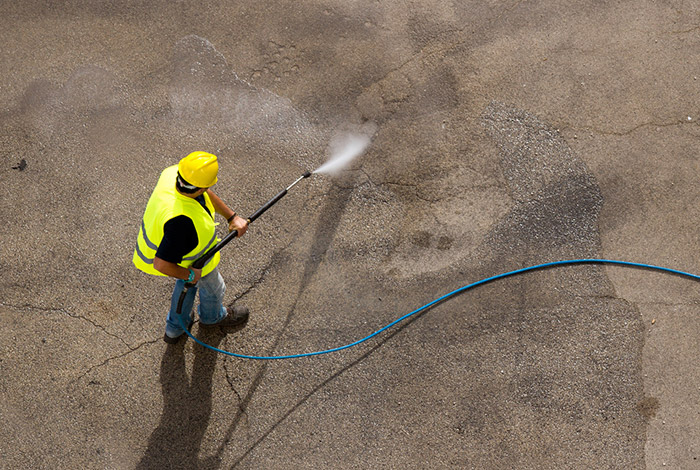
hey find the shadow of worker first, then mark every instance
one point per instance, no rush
(187, 405)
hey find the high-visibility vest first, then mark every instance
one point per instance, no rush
(166, 203)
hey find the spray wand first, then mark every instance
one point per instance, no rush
(202, 260)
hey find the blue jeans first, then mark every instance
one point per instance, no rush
(211, 309)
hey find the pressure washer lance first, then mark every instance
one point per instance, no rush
(201, 261)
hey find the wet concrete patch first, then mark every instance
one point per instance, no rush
(571, 351)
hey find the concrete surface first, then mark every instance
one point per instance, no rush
(504, 134)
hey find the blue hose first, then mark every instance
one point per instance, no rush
(444, 297)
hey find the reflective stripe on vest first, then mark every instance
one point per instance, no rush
(164, 204)
(154, 247)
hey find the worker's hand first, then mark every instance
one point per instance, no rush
(238, 223)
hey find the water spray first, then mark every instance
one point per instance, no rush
(348, 149)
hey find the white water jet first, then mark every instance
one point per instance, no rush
(349, 149)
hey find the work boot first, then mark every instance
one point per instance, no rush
(175, 340)
(234, 316)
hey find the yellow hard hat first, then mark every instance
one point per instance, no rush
(199, 169)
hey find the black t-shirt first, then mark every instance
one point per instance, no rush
(179, 237)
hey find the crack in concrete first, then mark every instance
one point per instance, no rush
(110, 359)
(229, 379)
(255, 283)
(63, 311)
(233, 387)
(263, 271)
(413, 186)
(594, 130)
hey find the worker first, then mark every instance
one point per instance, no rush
(178, 227)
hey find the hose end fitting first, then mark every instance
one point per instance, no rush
(307, 174)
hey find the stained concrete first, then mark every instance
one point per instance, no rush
(503, 135)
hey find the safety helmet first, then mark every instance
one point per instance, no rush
(199, 169)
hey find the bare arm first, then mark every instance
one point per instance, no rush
(175, 270)
(219, 206)
(237, 223)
